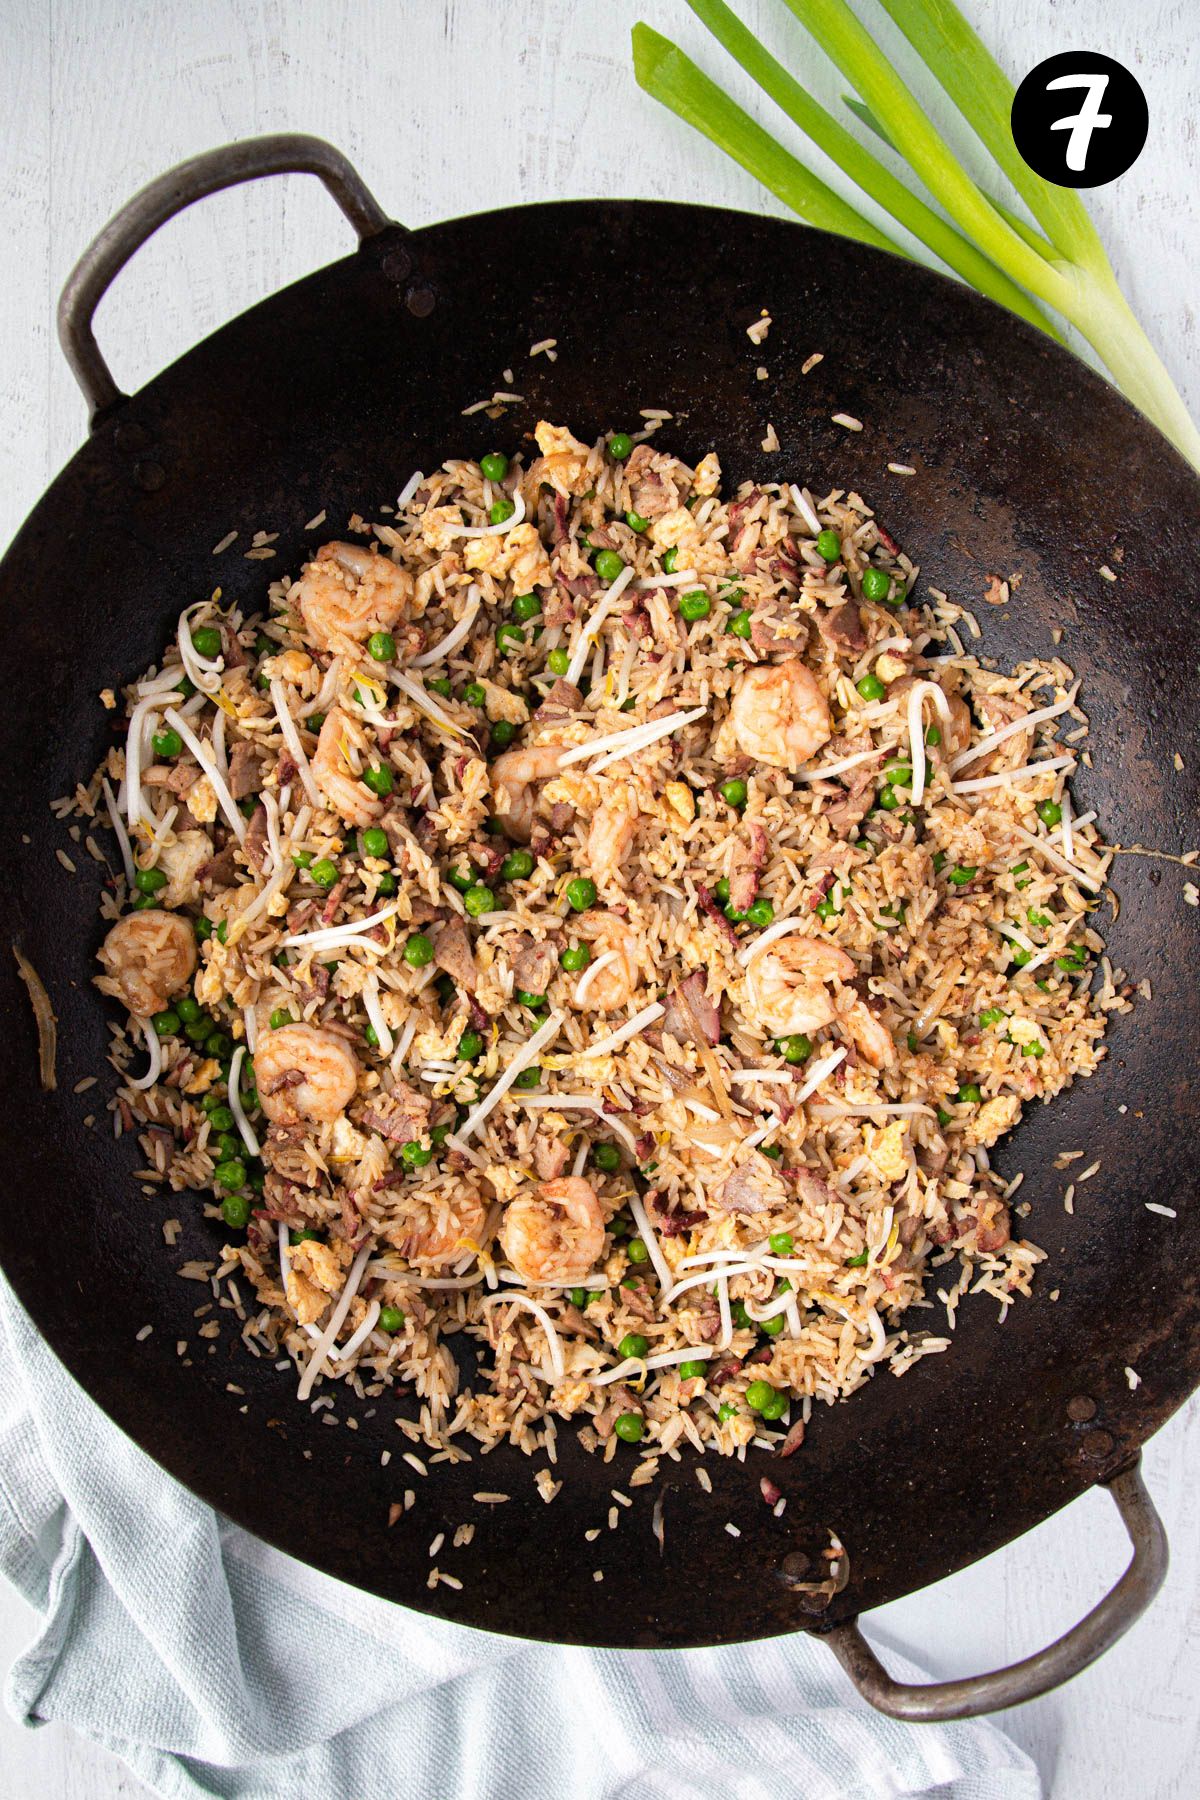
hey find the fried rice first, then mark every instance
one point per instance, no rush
(588, 936)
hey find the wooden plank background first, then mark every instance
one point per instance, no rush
(453, 106)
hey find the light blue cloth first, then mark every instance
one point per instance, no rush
(216, 1666)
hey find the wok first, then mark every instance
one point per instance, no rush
(327, 396)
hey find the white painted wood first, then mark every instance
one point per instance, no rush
(451, 106)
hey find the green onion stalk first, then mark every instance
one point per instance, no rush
(1054, 269)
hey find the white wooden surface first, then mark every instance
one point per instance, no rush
(452, 106)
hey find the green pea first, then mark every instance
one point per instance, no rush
(235, 1210)
(961, 873)
(494, 466)
(440, 686)
(758, 1395)
(939, 861)
(324, 872)
(1073, 961)
(479, 899)
(781, 1243)
(608, 1158)
(374, 841)
(1038, 919)
(741, 1317)
(581, 893)
(517, 866)
(620, 446)
(207, 640)
(829, 545)
(630, 1428)
(372, 1037)
(230, 1174)
(202, 927)
(500, 510)
(502, 734)
(772, 1326)
(218, 1044)
(221, 1118)
(508, 637)
(870, 687)
(738, 624)
(415, 1155)
(692, 1370)
(229, 1144)
(991, 1015)
(462, 879)
(1049, 812)
(558, 662)
(695, 605)
(727, 1410)
(734, 916)
(932, 735)
(474, 693)
(733, 792)
(1019, 956)
(722, 888)
(379, 779)
(796, 1049)
(469, 1046)
(775, 1409)
(188, 1009)
(281, 1016)
(761, 913)
(913, 1042)
(314, 722)
(185, 687)
(576, 958)
(418, 952)
(577, 1296)
(167, 743)
(594, 1294)
(302, 858)
(970, 1095)
(387, 885)
(166, 1023)
(526, 606)
(390, 1319)
(670, 559)
(535, 1002)
(875, 584)
(636, 522)
(149, 881)
(889, 799)
(381, 646)
(633, 1344)
(899, 774)
(222, 931)
(608, 565)
(529, 1078)
(827, 908)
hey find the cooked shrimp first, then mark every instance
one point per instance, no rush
(149, 956)
(516, 779)
(610, 838)
(304, 1072)
(785, 984)
(614, 985)
(779, 714)
(872, 1039)
(556, 1233)
(437, 1232)
(334, 773)
(346, 593)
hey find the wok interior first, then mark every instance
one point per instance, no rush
(328, 397)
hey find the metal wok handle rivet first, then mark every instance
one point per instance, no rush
(285, 154)
(1046, 1669)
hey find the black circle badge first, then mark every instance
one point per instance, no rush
(1080, 119)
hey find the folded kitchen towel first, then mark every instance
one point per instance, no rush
(215, 1665)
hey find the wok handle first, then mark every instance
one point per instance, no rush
(284, 154)
(1046, 1669)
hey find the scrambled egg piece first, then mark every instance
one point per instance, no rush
(202, 800)
(520, 555)
(993, 1119)
(565, 458)
(707, 478)
(885, 1147)
(316, 1271)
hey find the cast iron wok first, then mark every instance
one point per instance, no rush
(326, 397)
